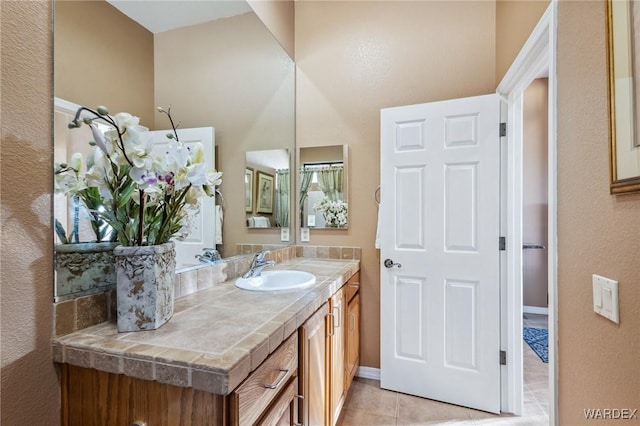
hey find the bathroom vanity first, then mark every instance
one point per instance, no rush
(227, 357)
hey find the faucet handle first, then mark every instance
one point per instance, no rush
(259, 256)
(209, 255)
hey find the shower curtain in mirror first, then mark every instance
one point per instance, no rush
(330, 181)
(305, 180)
(282, 197)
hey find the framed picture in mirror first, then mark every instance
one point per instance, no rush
(623, 54)
(264, 193)
(248, 190)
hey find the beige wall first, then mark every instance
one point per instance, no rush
(279, 17)
(321, 154)
(235, 77)
(598, 233)
(515, 19)
(30, 390)
(535, 195)
(355, 58)
(103, 58)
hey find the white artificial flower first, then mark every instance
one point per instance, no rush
(76, 162)
(197, 153)
(100, 140)
(197, 174)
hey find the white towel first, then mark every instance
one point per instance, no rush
(219, 219)
(258, 222)
(377, 244)
(262, 222)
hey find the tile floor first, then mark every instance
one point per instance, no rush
(368, 405)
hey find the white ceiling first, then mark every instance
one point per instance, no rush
(164, 15)
(272, 158)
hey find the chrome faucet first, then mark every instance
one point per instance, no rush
(210, 255)
(258, 264)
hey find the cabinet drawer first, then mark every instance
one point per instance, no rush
(282, 412)
(352, 286)
(265, 383)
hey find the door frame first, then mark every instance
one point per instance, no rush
(537, 54)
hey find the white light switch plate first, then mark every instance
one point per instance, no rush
(284, 234)
(605, 298)
(304, 235)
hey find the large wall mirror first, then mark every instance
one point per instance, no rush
(323, 188)
(214, 62)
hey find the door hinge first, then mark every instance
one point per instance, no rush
(502, 244)
(503, 357)
(503, 129)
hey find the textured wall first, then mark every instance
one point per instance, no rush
(102, 57)
(599, 361)
(356, 57)
(235, 77)
(30, 394)
(278, 16)
(515, 19)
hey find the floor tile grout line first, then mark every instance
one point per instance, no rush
(397, 407)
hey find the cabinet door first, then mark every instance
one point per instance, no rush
(337, 338)
(353, 339)
(313, 367)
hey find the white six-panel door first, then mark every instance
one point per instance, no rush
(440, 307)
(203, 233)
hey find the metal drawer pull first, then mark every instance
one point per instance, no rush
(329, 334)
(279, 382)
(300, 396)
(339, 323)
(139, 423)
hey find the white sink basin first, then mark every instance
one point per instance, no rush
(277, 280)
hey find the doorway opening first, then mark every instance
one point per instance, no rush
(536, 58)
(535, 219)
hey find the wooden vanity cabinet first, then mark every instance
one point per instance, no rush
(313, 378)
(307, 377)
(266, 397)
(283, 412)
(336, 342)
(352, 353)
(92, 397)
(352, 328)
(263, 397)
(329, 356)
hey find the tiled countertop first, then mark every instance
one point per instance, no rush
(216, 336)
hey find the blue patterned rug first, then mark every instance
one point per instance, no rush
(538, 340)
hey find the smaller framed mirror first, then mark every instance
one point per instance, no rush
(323, 187)
(267, 186)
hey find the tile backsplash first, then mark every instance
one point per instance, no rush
(85, 311)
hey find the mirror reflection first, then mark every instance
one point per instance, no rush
(323, 187)
(267, 186)
(214, 62)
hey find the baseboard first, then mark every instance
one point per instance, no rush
(535, 310)
(368, 373)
